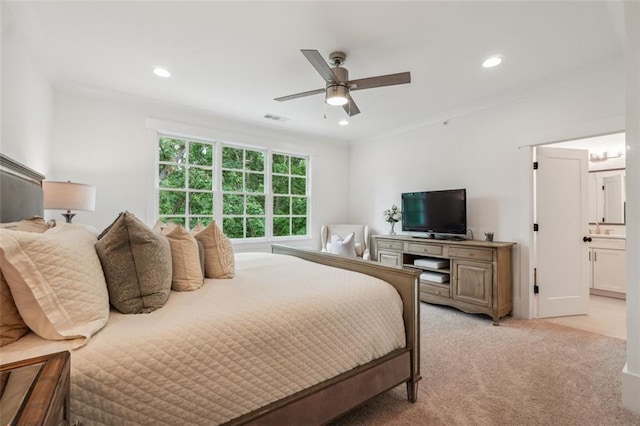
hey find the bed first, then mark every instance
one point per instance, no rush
(298, 337)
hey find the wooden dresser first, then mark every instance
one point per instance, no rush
(473, 276)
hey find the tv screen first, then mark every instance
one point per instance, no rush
(435, 212)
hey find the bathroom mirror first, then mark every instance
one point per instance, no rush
(607, 197)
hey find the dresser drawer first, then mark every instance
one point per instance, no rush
(471, 253)
(610, 243)
(418, 248)
(389, 244)
(437, 290)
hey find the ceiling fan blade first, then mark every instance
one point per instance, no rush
(380, 81)
(351, 108)
(300, 95)
(320, 65)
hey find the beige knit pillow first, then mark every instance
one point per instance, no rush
(218, 252)
(12, 326)
(185, 258)
(56, 281)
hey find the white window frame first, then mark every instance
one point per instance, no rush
(217, 146)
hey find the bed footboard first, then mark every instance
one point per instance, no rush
(405, 281)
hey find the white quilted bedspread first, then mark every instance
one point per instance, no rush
(281, 325)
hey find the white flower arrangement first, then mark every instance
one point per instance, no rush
(393, 215)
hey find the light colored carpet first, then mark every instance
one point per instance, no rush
(520, 373)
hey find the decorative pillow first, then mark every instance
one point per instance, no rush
(343, 247)
(185, 258)
(56, 281)
(12, 327)
(218, 252)
(34, 224)
(137, 265)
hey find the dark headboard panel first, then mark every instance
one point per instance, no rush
(20, 191)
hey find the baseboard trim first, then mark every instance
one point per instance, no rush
(630, 390)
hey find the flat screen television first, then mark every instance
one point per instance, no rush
(435, 212)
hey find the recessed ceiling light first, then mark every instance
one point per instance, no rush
(161, 72)
(492, 62)
(343, 122)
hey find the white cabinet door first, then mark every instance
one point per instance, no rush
(609, 270)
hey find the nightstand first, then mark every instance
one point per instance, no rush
(35, 391)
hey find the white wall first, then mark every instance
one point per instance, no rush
(26, 100)
(103, 139)
(631, 372)
(479, 151)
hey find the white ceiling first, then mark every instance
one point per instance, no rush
(233, 58)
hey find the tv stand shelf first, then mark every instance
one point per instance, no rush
(479, 272)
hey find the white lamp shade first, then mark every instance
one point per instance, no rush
(69, 196)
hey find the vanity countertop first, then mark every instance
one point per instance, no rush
(613, 236)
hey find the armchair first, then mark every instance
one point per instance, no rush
(361, 237)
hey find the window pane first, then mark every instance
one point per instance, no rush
(172, 202)
(281, 226)
(255, 227)
(255, 205)
(231, 158)
(200, 154)
(201, 203)
(298, 186)
(172, 150)
(176, 220)
(204, 220)
(171, 176)
(299, 225)
(232, 204)
(255, 182)
(200, 179)
(233, 227)
(280, 163)
(255, 161)
(298, 206)
(281, 205)
(232, 181)
(298, 166)
(280, 184)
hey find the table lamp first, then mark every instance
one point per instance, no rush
(69, 196)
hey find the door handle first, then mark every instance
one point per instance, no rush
(586, 239)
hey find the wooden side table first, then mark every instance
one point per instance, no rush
(36, 391)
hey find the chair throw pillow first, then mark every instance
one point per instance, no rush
(218, 252)
(185, 258)
(343, 246)
(56, 281)
(137, 265)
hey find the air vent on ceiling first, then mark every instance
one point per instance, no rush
(276, 117)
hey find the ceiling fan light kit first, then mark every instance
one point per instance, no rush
(337, 84)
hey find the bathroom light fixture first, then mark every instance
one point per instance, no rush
(603, 156)
(492, 61)
(161, 72)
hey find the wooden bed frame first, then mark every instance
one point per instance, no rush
(21, 198)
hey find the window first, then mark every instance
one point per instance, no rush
(289, 186)
(186, 181)
(253, 192)
(243, 193)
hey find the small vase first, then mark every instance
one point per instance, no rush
(392, 230)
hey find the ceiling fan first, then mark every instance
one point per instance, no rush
(338, 86)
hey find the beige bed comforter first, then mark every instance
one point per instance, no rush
(281, 325)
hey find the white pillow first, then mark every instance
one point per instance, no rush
(56, 281)
(343, 247)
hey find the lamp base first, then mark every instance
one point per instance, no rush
(68, 216)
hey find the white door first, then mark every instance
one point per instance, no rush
(561, 255)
